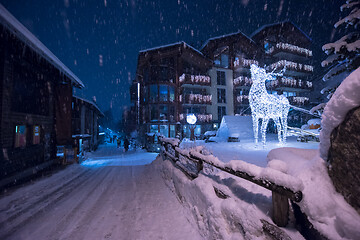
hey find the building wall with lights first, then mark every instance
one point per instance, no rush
(216, 80)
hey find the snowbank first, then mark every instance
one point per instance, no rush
(326, 209)
(345, 98)
(235, 127)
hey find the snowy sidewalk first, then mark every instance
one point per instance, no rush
(98, 201)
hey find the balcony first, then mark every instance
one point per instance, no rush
(195, 79)
(287, 47)
(201, 118)
(242, 81)
(242, 99)
(289, 83)
(298, 101)
(195, 99)
(242, 63)
(291, 66)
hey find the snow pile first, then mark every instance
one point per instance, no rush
(345, 98)
(235, 127)
(326, 209)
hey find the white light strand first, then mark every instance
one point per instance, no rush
(195, 78)
(197, 98)
(293, 65)
(245, 62)
(242, 98)
(299, 100)
(292, 48)
(243, 81)
(289, 82)
(200, 117)
(267, 106)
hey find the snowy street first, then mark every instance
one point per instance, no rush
(100, 199)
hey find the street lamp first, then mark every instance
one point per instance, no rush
(191, 119)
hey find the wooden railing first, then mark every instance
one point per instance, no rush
(283, 186)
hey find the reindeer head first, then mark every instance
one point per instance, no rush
(259, 74)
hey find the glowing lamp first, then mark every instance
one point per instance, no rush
(191, 119)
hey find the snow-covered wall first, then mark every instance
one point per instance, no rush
(345, 98)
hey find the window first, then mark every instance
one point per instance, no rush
(224, 60)
(36, 134)
(154, 115)
(153, 93)
(172, 131)
(221, 112)
(220, 78)
(164, 130)
(172, 94)
(163, 93)
(221, 95)
(20, 136)
(154, 128)
(163, 109)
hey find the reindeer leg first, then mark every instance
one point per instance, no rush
(278, 127)
(263, 130)
(255, 127)
(284, 126)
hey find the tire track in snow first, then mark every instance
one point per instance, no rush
(42, 203)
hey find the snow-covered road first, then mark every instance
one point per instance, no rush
(104, 198)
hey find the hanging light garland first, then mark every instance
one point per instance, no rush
(290, 47)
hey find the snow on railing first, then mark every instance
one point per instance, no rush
(291, 48)
(282, 185)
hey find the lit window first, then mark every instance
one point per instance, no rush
(20, 136)
(36, 134)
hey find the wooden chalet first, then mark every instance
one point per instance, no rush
(35, 101)
(85, 123)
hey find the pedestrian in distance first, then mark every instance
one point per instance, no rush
(118, 141)
(126, 144)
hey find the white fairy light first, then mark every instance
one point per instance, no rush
(290, 47)
(292, 65)
(194, 78)
(267, 106)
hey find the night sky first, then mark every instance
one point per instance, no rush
(99, 40)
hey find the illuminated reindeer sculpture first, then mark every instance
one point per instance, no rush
(267, 106)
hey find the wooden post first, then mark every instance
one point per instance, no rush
(199, 165)
(280, 209)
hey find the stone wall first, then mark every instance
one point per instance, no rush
(344, 158)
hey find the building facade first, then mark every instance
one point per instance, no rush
(35, 101)
(85, 123)
(216, 80)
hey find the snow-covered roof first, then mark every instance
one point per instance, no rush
(19, 30)
(90, 102)
(278, 23)
(225, 35)
(235, 126)
(171, 45)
